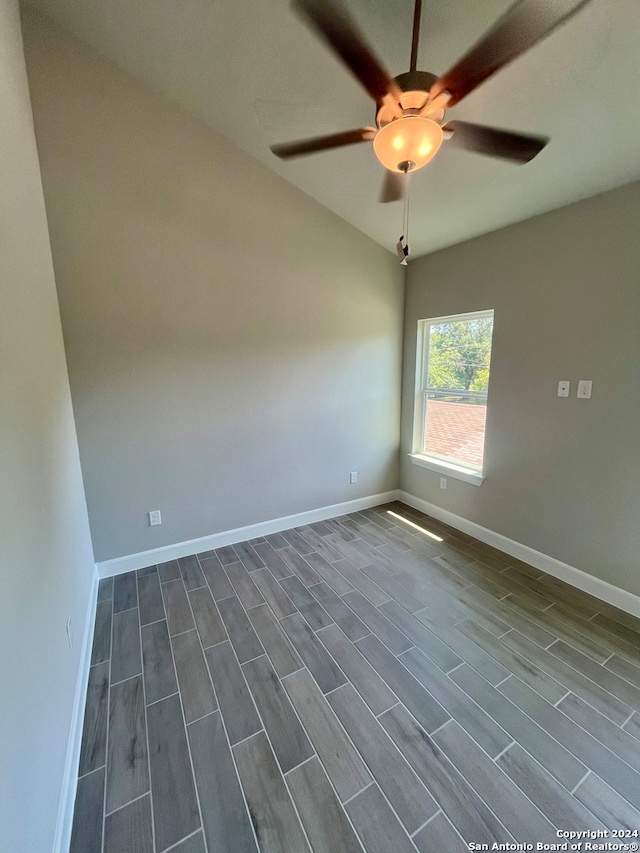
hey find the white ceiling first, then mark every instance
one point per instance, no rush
(251, 70)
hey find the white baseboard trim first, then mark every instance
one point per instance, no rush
(70, 779)
(120, 565)
(601, 589)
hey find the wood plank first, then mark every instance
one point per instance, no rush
(307, 604)
(313, 653)
(299, 566)
(169, 571)
(361, 582)
(208, 621)
(476, 722)
(147, 570)
(619, 687)
(101, 647)
(227, 554)
(179, 618)
(614, 811)
(633, 725)
(378, 827)
(519, 815)
(193, 677)
(216, 578)
(516, 663)
(224, 815)
(276, 644)
(410, 799)
(248, 556)
(150, 599)
(377, 623)
(286, 735)
(326, 572)
(465, 808)
(319, 544)
(358, 670)
(86, 832)
(341, 761)
(343, 615)
(105, 589)
(125, 592)
(126, 659)
(277, 541)
(466, 649)
(629, 671)
(439, 834)
(272, 559)
(93, 748)
(623, 744)
(191, 572)
(619, 775)
(175, 805)
(127, 758)
(246, 590)
(294, 539)
(438, 651)
(552, 755)
(573, 680)
(397, 592)
(192, 844)
(345, 550)
(130, 828)
(234, 698)
(159, 673)
(273, 593)
(320, 527)
(243, 638)
(429, 713)
(322, 816)
(273, 816)
(561, 807)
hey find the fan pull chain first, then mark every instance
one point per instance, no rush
(402, 246)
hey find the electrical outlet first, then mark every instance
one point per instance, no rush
(564, 387)
(443, 482)
(353, 477)
(69, 629)
(584, 389)
(155, 517)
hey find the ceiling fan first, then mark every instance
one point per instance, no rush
(410, 108)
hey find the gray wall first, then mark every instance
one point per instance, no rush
(46, 562)
(234, 349)
(562, 475)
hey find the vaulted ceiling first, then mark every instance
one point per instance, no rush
(252, 71)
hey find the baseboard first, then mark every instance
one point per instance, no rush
(119, 565)
(70, 779)
(601, 589)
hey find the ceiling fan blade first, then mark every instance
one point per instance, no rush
(323, 143)
(495, 142)
(393, 186)
(338, 30)
(520, 28)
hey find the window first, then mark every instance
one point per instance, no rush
(452, 380)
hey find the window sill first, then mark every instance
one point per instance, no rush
(447, 468)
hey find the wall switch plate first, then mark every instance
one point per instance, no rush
(353, 477)
(564, 388)
(69, 630)
(155, 517)
(584, 389)
(443, 482)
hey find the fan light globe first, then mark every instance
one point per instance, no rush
(407, 143)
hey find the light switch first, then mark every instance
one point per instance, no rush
(584, 389)
(564, 386)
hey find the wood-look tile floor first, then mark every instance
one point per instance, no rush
(351, 685)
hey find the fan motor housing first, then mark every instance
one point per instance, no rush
(415, 86)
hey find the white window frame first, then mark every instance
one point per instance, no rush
(443, 465)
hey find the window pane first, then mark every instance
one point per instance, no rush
(459, 354)
(454, 428)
